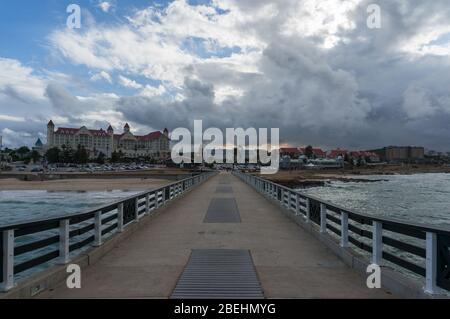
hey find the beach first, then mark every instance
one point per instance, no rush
(83, 184)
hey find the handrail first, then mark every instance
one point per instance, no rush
(77, 214)
(60, 239)
(368, 233)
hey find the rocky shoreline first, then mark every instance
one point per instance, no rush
(320, 178)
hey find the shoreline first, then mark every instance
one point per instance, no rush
(83, 185)
(318, 178)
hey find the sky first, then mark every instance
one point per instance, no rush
(312, 68)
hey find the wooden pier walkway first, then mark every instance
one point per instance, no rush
(222, 214)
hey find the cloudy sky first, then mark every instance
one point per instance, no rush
(312, 68)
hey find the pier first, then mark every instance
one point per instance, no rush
(223, 235)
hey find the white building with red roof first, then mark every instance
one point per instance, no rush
(154, 145)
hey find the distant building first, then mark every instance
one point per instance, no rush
(317, 152)
(154, 145)
(39, 146)
(337, 153)
(401, 153)
(292, 152)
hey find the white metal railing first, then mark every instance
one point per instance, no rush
(58, 240)
(421, 249)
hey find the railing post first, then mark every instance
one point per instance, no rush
(377, 243)
(308, 210)
(136, 213)
(431, 263)
(98, 229)
(297, 204)
(344, 229)
(64, 230)
(8, 260)
(289, 200)
(120, 218)
(323, 218)
(156, 199)
(147, 204)
(163, 196)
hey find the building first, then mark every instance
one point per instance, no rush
(316, 152)
(154, 145)
(337, 153)
(39, 146)
(292, 152)
(401, 153)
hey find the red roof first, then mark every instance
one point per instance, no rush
(73, 131)
(319, 152)
(99, 132)
(316, 151)
(150, 137)
(67, 130)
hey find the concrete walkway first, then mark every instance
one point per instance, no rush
(290, 263)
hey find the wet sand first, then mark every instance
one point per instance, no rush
(80, 184)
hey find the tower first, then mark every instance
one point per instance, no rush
(126, 128)
(50, 134)
(166, 132)
(110, 146)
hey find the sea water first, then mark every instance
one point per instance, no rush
(419, 198)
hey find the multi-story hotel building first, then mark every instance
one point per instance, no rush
(154, 145)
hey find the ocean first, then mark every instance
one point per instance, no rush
(18, 206)
(420, 198)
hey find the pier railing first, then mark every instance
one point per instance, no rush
(420, 249)
(35, 245)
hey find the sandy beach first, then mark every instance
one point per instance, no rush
(80, 184)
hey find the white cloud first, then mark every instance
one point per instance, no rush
(126, 82)
(102, 76)
(4, 117)
(19, 82)
(105, 6)
(151, 91)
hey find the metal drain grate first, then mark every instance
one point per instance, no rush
(219, 273)
(224, 189)
(222, 210)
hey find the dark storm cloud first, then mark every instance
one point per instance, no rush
(360, 93)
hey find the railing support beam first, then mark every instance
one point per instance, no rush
(431, 263)
(64, 230)
(120, 218)
(377, 243)
(308, 210)
(344, 229)
(8, 260)
(323, 218)
(136, 210)
(147, 204)
(98, 229)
